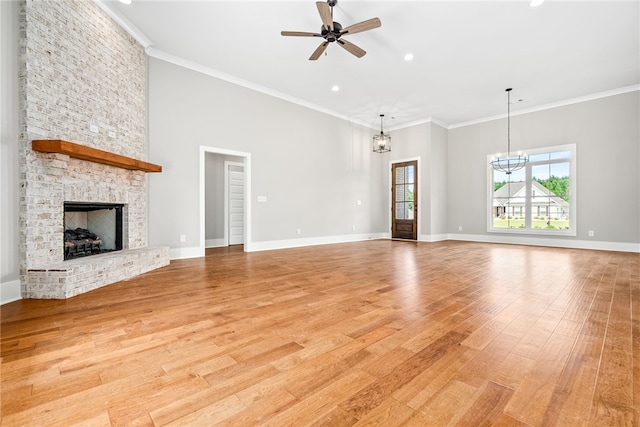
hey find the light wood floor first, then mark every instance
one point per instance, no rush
(372, 333)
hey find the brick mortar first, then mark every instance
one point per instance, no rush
(77, 68)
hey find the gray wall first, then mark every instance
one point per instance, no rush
(438, 195)
(9, 176)
(312, 167)
(606, 133)
(428, 142)
(408, 144)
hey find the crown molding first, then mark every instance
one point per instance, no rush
(147, 44)
(161, 55)
(599, 95)
(125, 24)
(194, 66)
(428, 120)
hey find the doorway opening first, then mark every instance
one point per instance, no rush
(245, 164)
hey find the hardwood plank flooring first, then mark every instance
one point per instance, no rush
(381, 332)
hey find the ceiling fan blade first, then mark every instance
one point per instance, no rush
(369, 24)
(325, 14)
(352, 48)
(299, 34)
(319, 51)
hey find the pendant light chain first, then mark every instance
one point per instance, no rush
(509, 164)
(509, 122)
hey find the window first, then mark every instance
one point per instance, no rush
(538, 199)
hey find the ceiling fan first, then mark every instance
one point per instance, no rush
(332, 31)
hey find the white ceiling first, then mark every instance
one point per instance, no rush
(466, 53)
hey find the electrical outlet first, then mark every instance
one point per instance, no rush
(590, 233)
(353, 228)
(183, 238)
(459, 228)
(298, 231)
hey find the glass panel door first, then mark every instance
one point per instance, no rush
(404, 203)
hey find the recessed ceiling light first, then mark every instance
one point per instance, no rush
(335, 88)
(125, 1)
(408, 57)
(535, 3)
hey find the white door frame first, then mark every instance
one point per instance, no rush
(247, 193)
(226, 198)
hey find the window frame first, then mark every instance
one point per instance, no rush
(528, 229)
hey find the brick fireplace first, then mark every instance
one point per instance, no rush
(82, 79)
(61, 177)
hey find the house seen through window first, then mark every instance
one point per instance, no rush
(537, 199)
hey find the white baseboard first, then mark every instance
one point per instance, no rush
(183, 253)
(196, 252)
(10, 292)
(215, 243)
(551, 242)
(433, 237)
(312, 241)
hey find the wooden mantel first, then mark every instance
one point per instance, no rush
(92, 154)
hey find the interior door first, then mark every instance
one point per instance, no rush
(404, 204)
(236, 204)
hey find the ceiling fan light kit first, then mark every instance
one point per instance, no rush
(332, 32)
(382, 141)
(509, 164)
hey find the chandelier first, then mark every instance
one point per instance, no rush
(382, 142)
(510, 163)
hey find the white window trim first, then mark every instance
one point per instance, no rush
(572, 231)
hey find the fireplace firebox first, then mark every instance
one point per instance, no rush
(92, 228)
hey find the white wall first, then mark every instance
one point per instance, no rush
(9, 174)
(606, 132)
(312, 167)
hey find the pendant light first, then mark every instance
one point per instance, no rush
(509, 164)
(381, 142)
